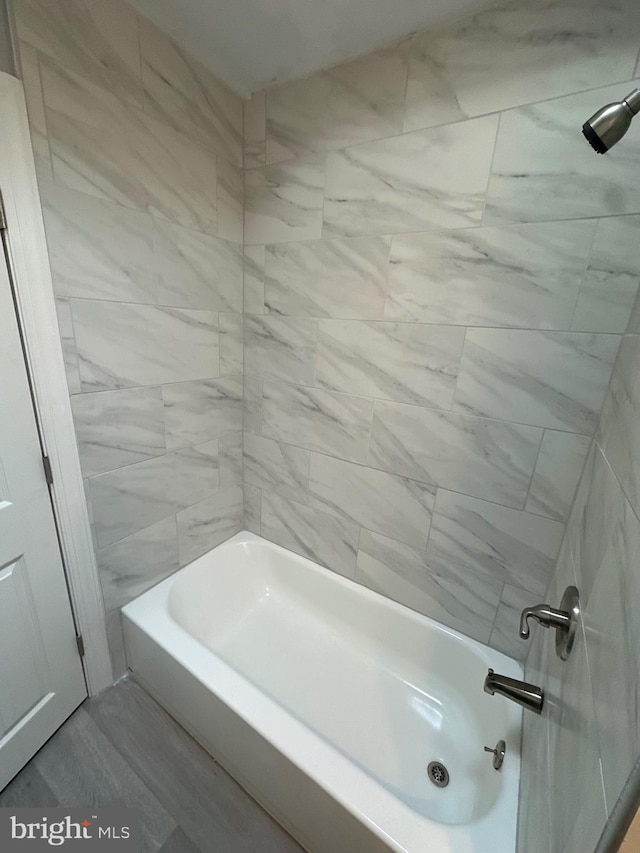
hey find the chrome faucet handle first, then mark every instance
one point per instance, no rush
(564, 620)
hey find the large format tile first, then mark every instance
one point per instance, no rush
(527, 276)
(196, 412)
(611, 282)
(620, 437)
(123, 345)
(328, 278)
(544, 169)
(612, 629)
(255, 130)
(550, 379)
(385, 503)
(406, 362)
(512, 54)
(480, 457)
(463, 600)
(83, 768)
(281, 347)
(231, 459)
(254, 267)
(350, 103)
(208, 523)
(231, 344)
(98, 40)
(276, 467)
(284, 202)
(97, 249)
(337, 424)
(515, 547)
(197, 270)
(558, 469)
(118, 428)
(422, 181)
(188, 96)
(230, 201)
(252, 508)
(109, 149)
(326, 539)
(132, 498)
(129, 567)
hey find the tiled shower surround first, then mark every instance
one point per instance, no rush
(438, 274)
(139, 161)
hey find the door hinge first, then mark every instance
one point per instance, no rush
(48, 470)
(80, 645)
(3, 216)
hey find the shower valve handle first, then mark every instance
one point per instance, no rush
(564, 620)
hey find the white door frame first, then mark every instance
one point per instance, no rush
(36, 305)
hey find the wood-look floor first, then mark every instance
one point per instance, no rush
(123, 749)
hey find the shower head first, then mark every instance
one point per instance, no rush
(609, 124)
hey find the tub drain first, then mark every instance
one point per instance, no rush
(438, 774)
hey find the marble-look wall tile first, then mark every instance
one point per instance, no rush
(510, 54)
(254, 268)
(181, 91)
(231, 344)
(118, 428)
(613, 657)
(485, 458)
(421, 181)
(68, 341)
(406, 362)
(230, 201)
(505, 634)
(527, 276)
(122, 345)
(543, 169)
(195, 412)
(97, 249)
(463, 600)
(98, 40)
(611, 282)
(281, 347)
(350, 103)
(337, 424)
(255, 131)
(550, 379)
(197, 270)
(515, 547)
(328, 278)
(384, 503)
(30, 69)
(284, 202)
(208, 523)
(106, 148)
(252, 508)
(129, 567)
(231, 459)
(323, 538)
(132, 498)
(558, 469)
(252, 403)
(115, 640)
(276, 467)
(620, 437)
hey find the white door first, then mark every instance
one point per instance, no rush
(41, 678)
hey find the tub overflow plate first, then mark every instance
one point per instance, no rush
(438, 774)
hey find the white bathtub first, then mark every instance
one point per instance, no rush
(327, 701)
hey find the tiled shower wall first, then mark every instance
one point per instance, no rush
(579, 753)
(438, 274)
(139, 162)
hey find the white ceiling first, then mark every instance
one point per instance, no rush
(253, 44)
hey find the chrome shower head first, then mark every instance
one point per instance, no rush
(609, 125)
